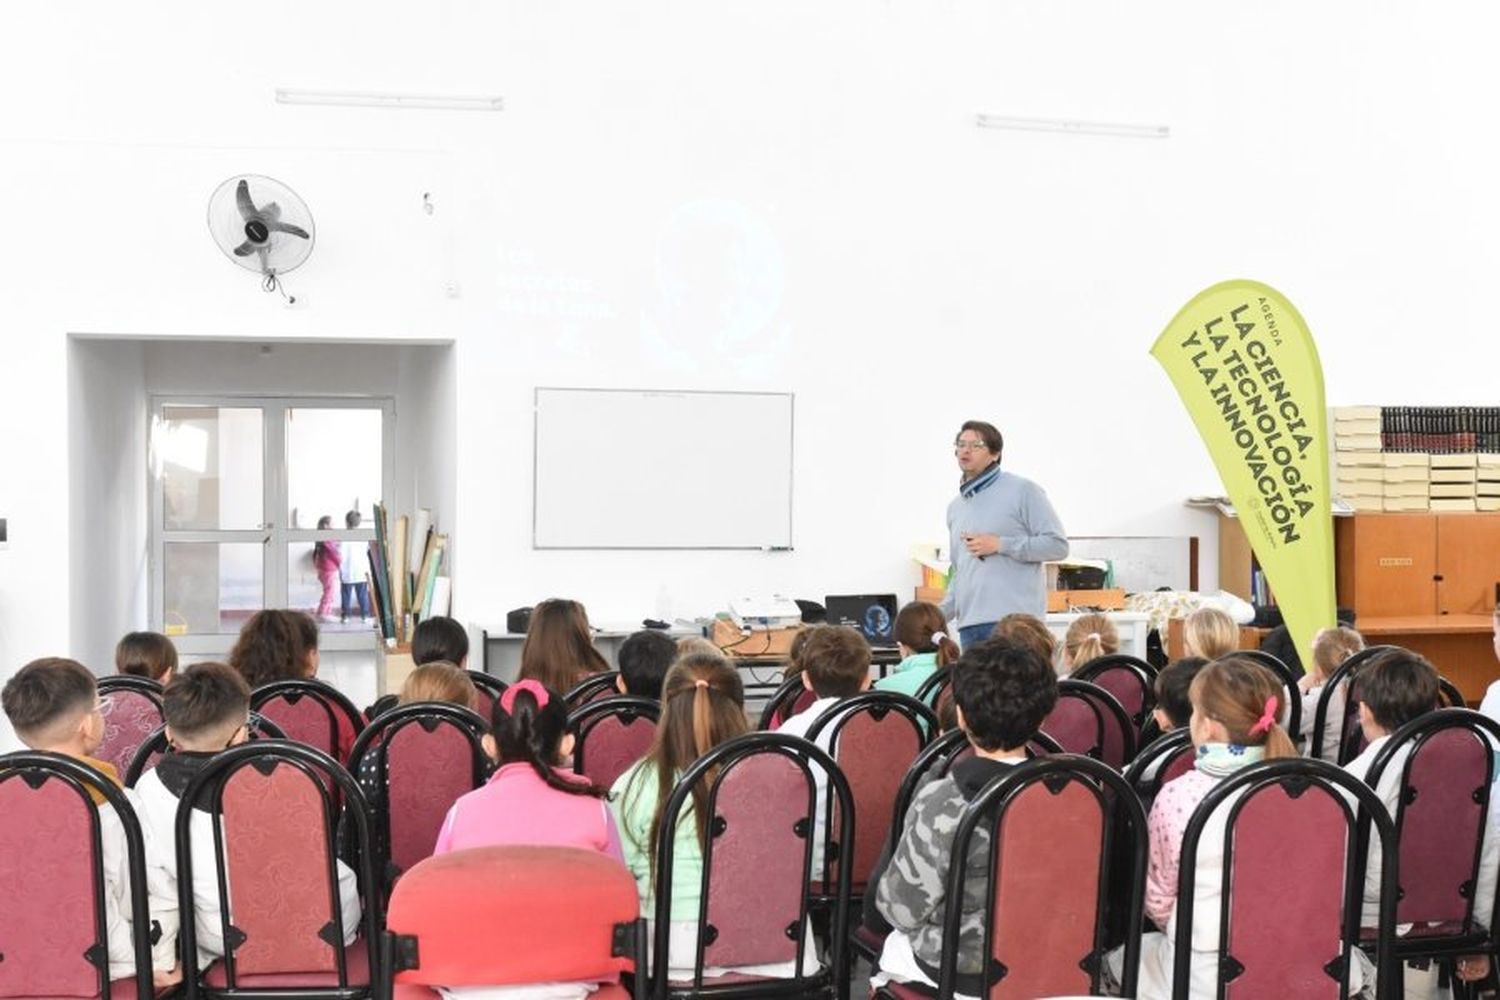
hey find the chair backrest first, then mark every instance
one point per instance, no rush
(447, 913)
(272, 809)
(52, 922)
(152, 747)
(1447, 765)
(1451, 696)
(592, 688)
(1291, 698)
(1284, 921)
(612, 734)
(790, 698)
(1351, 739)
(1088, 720)
(488, 688)
(762, 803)
(134, 714)
(427, 754)
(1130, 680)
(1169, 756)
(1043, 834)
(932, 688)
(311, 712)
(874, 737)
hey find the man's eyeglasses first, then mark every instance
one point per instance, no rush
(970, 446)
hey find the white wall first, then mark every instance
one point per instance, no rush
(767, 196)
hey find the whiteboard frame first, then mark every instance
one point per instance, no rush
(791, 398)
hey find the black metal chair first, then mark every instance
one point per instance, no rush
(761, 800)
(1089, 720)
(787, 700)
(129, 682)
(51, 864)
(1132, 681)
(1351, 739)
(147, 754)
(311, 712)
(611, 735)
(1291, 693)
(489, 689)
(1451, 695)
(1160, 761)
(1061, 821)
(1283, 916)
(592, 688)
(273, 808)
(931, 690)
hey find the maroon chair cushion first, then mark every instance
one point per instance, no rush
(1125, 684)
(1178, 763)
(133, 716)
(1440, 824)
(610, 744)
(48, 886)
(278, 870)
(756, 854)
(554, 907)
(1286, 906)
(426, 772)
(1049, 856)
(874, 755)
(306, 719)
(1074, 724)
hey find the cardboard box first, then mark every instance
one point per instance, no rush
(776, 642)
(392, 665)
(932, 595)
(1061, 600)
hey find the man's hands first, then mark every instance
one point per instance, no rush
(982, 545)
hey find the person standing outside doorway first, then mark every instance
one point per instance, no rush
(1001, 528)
(351, 574)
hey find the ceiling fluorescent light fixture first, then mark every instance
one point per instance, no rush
(358, 99)
(1072, 127)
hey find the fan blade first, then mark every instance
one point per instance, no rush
(272, 212)
(242, 199)
(287, 227)
(245, 249)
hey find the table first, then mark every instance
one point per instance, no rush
(501, 650)
(1460, 646)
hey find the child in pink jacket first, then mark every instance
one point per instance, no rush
(326, 560)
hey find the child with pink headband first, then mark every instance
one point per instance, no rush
(531, 799)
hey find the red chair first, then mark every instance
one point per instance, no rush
(564, 915)
(762, 801)
(150, 751)
(134, 714)
(273, 800)
(1088, 720)
(1168, 757)
(791, 698)
(1130, 680)
(52, 922)
(489, 689)
(592, 688)
(421, 757)
(311, 712)
(874, 737)
(1446, 768)
(1287, 916)
(612, 734)
(1042, 835)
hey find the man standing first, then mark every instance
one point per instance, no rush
(1001, 528)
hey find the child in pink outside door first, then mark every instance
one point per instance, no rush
(326, 560)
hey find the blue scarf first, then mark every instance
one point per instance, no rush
(967, 489)
(1220, 760)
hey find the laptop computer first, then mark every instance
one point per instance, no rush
(874, 615)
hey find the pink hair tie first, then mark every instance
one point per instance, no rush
(537, 689)
(1268, 718)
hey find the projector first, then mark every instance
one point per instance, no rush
(765, 612)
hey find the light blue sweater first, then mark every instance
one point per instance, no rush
(988, 589)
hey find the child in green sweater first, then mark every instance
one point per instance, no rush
(922, 637)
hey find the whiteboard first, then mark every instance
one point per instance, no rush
(1141, 562)
(662, 469)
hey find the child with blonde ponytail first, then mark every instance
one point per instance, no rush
(1235, 706)
(702, 705)
(1088, 637)
(922, 637)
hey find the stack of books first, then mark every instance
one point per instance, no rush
(1441, 430)
(1356, 443)
(1487, 482)
(1405, 482)
(1452, 481)
(406, 581)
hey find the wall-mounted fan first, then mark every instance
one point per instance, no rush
(261, 225)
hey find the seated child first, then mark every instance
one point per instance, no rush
(53, 705)
(207, 710)
(1174, 709)
(1088, 637)
(1233, 725)
(1029, 630)
(1003, 691)
(1395, 688)
(531, 799)
(146, 654)
(1331, 647)
(835, 666)
(922, 637)
(703, 705)
(644, 658)
(1210, 633)
(440, 639)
